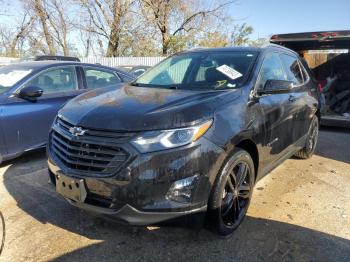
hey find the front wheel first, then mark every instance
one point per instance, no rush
(311, 141)
(232, 192)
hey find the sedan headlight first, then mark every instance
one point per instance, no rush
(164, 139)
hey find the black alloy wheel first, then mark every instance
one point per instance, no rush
(311, 140)
(313, 136)
(232, 193)
(236, 194)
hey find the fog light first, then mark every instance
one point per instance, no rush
(181, 190)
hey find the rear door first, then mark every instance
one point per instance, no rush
(299, 98)
(277, 109)
(28, 123)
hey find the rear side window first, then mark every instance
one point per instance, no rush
(304, 72)
(57, 80)
(96, 78)
(124, 77)
(293, 69)
(271, 69)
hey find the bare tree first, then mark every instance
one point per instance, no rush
(53, 20)
(175, 17)
(60, 23)
(12, 39)
(214, 39)
(119, 27)
(86, 41)
(37, 7)
(109, 19)
(240, 34)
(259, 42)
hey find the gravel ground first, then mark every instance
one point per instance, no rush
(300, 212)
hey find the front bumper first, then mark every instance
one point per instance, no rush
(137, 194)
(132, 216)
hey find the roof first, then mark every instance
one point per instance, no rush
(56, 57)
(238, 49)
(36, 65)
(225, 49)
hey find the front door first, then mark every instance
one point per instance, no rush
(26, 123)
(277, 110)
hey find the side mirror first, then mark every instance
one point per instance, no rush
(277, 87)
(30, 92)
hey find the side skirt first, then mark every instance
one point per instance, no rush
(288, 153)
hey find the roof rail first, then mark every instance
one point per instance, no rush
(278, 46)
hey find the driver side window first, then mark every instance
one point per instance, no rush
(174, 73)
(271, 69)
(56, 80)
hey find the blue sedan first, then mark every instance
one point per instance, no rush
(32, 93)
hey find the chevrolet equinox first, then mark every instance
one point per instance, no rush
(190, 136)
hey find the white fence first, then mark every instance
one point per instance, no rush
(8, 60)
(123, 61)
(107, 61)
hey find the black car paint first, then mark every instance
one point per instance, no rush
(242, 118)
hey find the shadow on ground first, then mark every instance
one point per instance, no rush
(328, 145)
(256, 240)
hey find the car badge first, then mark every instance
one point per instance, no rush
(77, 131)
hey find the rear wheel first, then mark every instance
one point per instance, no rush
(232, 192)
(311, 141)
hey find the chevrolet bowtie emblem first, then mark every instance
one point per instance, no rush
(77, 131)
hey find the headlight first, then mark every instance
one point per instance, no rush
(165, 139)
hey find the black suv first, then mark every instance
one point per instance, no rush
(192, 135)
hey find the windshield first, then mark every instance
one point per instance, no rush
(10, 75)
(200, 71)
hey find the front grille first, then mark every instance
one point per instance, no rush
(85, 153)
(96, 134)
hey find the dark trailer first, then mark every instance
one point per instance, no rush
(327, 54)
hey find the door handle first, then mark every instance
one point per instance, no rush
(292, 98)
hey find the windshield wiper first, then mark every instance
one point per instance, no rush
(154, 86)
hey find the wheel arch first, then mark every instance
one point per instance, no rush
(249, 146)
(318, 114)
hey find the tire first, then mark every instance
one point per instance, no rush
(2, 232)
(311, 141)
(230, 196)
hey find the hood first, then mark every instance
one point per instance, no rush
(131, 108)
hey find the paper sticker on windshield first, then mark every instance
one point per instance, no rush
(229, 71)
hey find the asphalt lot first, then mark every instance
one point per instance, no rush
(300, 212)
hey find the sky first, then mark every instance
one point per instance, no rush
(269, 17)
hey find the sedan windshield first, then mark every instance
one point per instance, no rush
(200, 71)
(10, 75)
